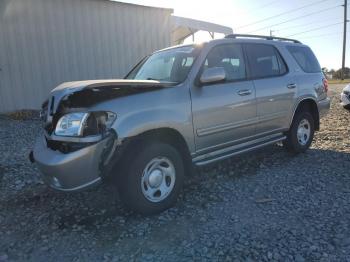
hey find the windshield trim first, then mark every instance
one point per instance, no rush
(142, 61)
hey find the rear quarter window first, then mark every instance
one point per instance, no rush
(305, 58)
(265, 61)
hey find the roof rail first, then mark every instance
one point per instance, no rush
(263, 37)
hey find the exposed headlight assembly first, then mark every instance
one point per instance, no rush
(84, 124)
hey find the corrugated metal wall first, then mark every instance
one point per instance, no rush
(46, 42)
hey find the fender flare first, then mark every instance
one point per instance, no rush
(297, 104)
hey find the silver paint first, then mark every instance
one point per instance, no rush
(216, 120)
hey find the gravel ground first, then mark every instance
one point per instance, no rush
(265, 206)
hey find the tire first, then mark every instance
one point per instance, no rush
(151, 179)
(299, 144)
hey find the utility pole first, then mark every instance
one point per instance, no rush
(344, 38)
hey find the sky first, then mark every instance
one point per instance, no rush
(317, 23)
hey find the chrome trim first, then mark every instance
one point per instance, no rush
(245, 139)
(205, 162)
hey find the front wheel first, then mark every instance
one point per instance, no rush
(152, 178)
(301, 133)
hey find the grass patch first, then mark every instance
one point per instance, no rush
(338, 81)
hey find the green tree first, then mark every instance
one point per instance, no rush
(337, 74)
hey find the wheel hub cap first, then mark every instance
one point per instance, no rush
(158, 179)
(155, 178)
(303, 133)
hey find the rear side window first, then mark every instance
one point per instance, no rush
(265, 61)
(230, 57)
(305, 58)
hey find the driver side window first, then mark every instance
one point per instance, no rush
(230, 57)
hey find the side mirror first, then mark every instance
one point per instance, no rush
(213, 75)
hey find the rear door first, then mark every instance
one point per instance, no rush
(275, 87)
(310, 76)
(224, 112)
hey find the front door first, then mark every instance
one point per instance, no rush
(225, 112)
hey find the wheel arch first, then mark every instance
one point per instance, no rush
(165, 135)
(311, 105)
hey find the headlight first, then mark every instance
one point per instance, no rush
(84, 124)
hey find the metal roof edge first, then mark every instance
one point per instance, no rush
(179, 21)
(147, 6)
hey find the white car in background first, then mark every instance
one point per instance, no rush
(345, 97)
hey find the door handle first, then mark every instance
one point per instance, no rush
(244, 92)
(291, 86)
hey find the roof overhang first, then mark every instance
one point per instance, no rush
(183, 27)
(131, 2)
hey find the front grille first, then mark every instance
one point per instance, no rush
(52, 104)
(44, 111)
(54, 145)
(49, 128)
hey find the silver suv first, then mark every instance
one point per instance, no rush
(189, 104)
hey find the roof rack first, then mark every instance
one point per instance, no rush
(263, 37)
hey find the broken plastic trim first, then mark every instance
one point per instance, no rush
(70, 144)
(87, 139)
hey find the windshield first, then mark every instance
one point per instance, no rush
(171, 65)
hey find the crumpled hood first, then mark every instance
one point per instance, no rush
(79, 85)
(121, 86)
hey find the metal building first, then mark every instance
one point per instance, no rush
(46, 42)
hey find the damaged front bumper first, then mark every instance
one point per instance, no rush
(77, 170)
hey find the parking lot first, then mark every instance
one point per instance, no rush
(267, 205)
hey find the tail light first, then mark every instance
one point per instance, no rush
(325, 84)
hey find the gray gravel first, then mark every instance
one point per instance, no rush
(265, 206)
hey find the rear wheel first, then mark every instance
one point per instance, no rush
(301, 132)
(152, 178)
